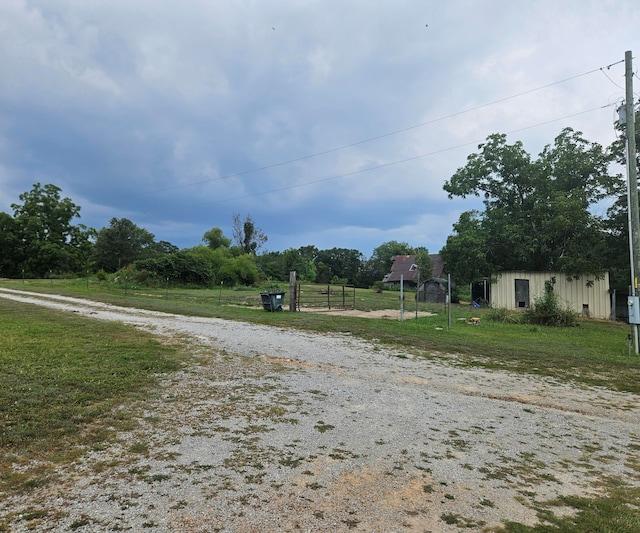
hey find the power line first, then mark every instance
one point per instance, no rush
(614, 83)
(388, 134)
(389, 164)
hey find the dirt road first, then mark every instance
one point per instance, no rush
(271, 429)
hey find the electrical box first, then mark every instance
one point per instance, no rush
(633, 302)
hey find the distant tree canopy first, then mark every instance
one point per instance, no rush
(382, 259)
(42, 237)
(423, 261)
(40, 240)
(538, 213)
(122, 243)
(215, 238)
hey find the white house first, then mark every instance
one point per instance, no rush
(587, 296)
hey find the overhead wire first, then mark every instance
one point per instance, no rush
(388, 164)
(384, 135)
(614, 83)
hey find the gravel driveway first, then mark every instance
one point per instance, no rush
(271, 429)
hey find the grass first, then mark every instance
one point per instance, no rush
(62, 378)
(595, 353)
(615, 512)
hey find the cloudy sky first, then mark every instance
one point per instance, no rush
(332, 123)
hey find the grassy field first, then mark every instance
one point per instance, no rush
(595, 353)
(64, 377)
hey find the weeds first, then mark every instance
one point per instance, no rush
(547, 310)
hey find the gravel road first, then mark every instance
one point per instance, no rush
(270, 429)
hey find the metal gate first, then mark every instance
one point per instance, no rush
(326, 296)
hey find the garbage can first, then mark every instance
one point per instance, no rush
(272, 301)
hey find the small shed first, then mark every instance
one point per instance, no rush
(433, 290)
(588, 295)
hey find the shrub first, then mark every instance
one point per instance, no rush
(548, 311)
(378, 286)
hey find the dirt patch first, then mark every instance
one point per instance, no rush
(383, 313)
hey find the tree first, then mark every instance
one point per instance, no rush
(379, 264)
(272, 266)
(47, 239)
(156, 249)
(9, 244)
(465, 253)
(340, 263)
(214, 238)
(120, 244)
(617, 222)
(423, 261)
(537, 212)
(247, 235)
(302, 260)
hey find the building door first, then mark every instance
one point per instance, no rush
(522, 293)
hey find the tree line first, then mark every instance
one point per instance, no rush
(41, 240)
(563, 211)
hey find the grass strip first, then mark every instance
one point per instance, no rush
(62, 378)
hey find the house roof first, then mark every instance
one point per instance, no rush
(405, 265)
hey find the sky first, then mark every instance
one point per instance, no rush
(331, 123)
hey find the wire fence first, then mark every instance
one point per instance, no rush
(326, 296)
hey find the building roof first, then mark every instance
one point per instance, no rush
(405, 265)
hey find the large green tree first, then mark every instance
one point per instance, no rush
(617, 222)
(46, 238)
(538, 212)
(423, 261)
(120, 244)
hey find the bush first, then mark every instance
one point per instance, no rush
(378, 286)
(548, 311)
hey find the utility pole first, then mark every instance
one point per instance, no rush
(632, 175)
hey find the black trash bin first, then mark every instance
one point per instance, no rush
(272, 301)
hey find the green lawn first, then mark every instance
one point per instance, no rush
(61, 379)
(596, 352)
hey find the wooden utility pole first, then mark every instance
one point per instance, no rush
(632, 175)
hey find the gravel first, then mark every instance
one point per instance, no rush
(272, 429)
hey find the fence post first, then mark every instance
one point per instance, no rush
(293, 296)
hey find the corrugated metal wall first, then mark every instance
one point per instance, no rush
(574, 293)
